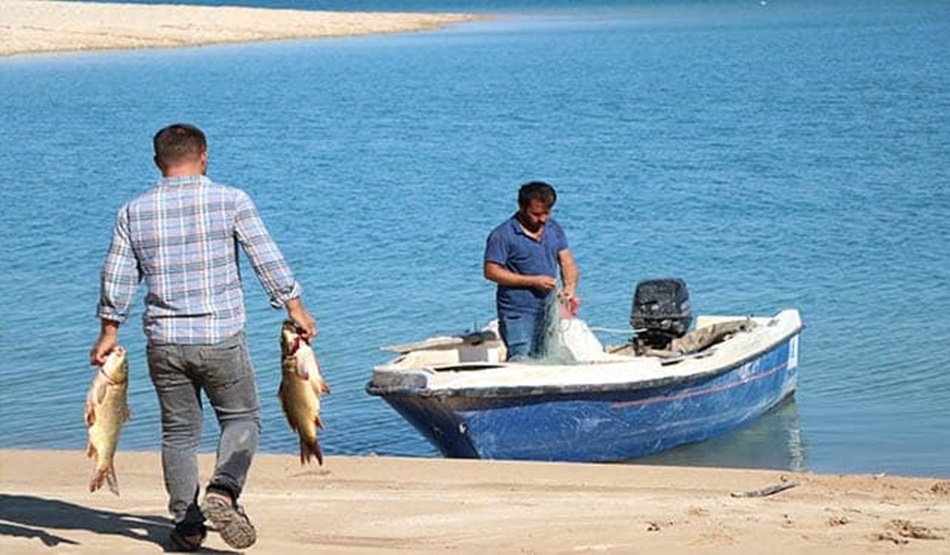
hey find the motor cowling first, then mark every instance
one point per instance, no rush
(660, 312)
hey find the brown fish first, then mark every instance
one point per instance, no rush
(107, 410)
(301, 385)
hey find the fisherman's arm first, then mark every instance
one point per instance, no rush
(569, 273)
(120, 277)
(569, 277)
(271, 268)
(265, 257)
(502, 276)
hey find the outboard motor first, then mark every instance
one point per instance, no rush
(660, 313)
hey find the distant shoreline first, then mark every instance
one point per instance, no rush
(49, 26)
(431, 505)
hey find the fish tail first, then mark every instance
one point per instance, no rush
(102, 476)
(112, 481)
(310, 450)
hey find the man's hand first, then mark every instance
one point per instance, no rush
(544, 283)
(570, 303)
(503, 276)
(108, 337)
(306, 323)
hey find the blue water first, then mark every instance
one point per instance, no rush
(792, 154)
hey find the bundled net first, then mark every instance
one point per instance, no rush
(553, 348)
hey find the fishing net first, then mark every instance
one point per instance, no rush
(553, 348)
(566, 339)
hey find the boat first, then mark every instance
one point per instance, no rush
(602, 404)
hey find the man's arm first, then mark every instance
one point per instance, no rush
(120, 274)
(569, 273)
(119, 278)
(265, 257)
(271, 268)
(502, 276)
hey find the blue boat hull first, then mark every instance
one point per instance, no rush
(600, 425)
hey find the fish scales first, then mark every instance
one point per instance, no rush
(301, 387)
(106, 412)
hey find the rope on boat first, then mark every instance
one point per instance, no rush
(611, 330)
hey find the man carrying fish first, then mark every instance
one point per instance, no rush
(181, 237)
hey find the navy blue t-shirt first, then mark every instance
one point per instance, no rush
(509, 247)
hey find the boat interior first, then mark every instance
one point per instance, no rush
(485, 349)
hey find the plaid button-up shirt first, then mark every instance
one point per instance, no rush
(182, 238)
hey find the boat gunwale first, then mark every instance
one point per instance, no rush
(506, 391)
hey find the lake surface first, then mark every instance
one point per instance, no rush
(772, 154)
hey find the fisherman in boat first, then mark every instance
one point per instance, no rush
(524, 256)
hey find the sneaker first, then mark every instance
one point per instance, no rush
(229, 520)
(187, 541)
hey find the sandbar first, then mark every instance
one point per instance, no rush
(356, 505)
(44, 26)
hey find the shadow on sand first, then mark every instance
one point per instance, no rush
(37, 517)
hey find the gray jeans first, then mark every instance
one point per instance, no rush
(223, 371)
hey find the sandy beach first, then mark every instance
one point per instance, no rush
(375, 505)
(417, 505)
(37, 26)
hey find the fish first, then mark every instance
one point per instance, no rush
(106, 411)
(301, 386)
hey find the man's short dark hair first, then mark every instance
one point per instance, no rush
(178, 142)
(536, 190)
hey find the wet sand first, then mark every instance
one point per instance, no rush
(41, 26)
(416, 505)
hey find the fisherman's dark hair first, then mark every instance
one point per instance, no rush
(536, 190)
(178, 142)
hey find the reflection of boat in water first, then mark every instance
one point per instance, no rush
(771, 442)
(602, 406)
